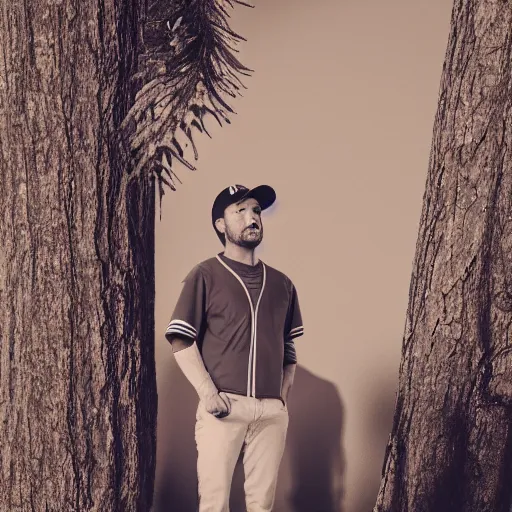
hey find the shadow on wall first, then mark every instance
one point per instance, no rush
(311, 474)
(377, 427)
(175, 480)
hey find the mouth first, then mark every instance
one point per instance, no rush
(253, 227)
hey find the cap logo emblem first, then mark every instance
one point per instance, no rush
(236, 188)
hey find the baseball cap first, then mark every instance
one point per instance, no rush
(264, 194)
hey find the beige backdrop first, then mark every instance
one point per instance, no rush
(338, 118)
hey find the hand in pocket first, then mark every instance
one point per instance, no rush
(218, 405)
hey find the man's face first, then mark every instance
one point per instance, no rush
(242, 224)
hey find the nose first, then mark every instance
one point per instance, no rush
(254, 217)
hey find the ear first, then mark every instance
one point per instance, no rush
(220, 225)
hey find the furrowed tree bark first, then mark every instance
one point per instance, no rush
(77, 374)
(451, 443)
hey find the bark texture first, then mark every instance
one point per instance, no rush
(77, 373)
(451, 443)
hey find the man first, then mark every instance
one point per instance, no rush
(232, 334)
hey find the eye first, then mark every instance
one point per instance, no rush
(257, 210)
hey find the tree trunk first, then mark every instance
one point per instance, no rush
(451, 443)
(77, 372)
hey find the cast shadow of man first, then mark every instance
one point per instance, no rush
(311, 474)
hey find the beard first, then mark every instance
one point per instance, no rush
(248, 239)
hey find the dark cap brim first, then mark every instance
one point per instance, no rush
(264, 194)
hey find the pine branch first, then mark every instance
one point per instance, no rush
(182, 82)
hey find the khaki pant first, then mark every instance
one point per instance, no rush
(256, 426)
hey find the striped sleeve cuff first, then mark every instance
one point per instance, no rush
(296, 332)
(182, 328)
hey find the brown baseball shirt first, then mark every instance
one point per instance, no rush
(242, 341)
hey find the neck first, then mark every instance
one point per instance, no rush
(240, 254)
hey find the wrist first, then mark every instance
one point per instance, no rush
(207, 389)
